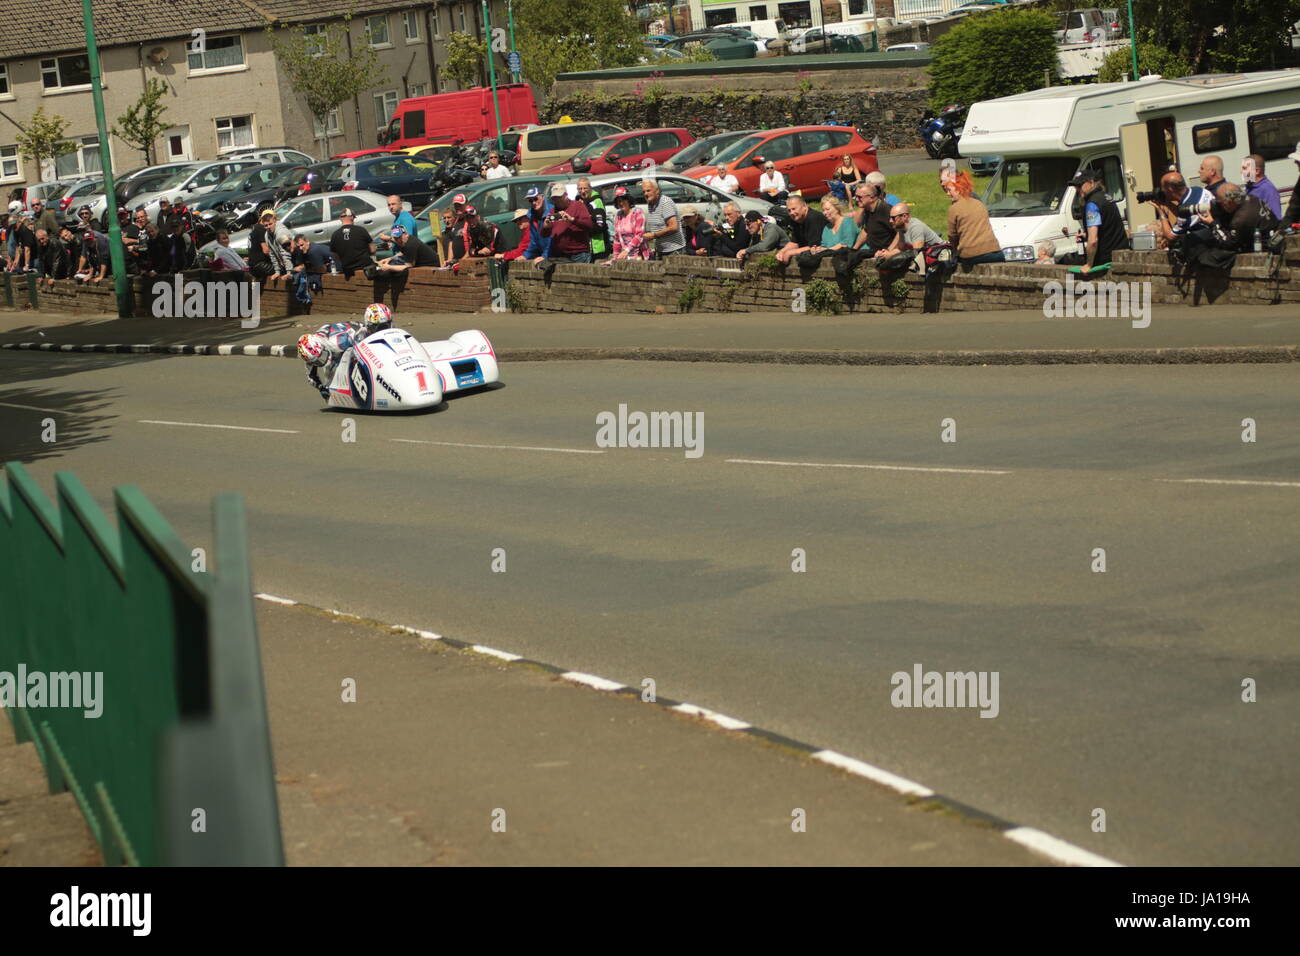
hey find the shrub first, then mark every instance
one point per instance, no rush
(998, 53)
(693, 292)
(1152, 58)
(824, 297)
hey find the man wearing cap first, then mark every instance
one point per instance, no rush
(93, 265)
(391, 273)
(539, 244)
(698, 232)
(523, 222)
(164, 213)
(352, 245)
(569, 227)
(764, 236)
(473, 238)
(1292, 216)
(1101, 219)
(772, 183)
(43, 218)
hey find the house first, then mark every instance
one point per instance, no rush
(230, 94)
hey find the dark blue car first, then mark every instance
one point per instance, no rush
(410, 177)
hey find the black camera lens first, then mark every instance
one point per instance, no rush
(1151, 196)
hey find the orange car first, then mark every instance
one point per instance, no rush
(806, 155)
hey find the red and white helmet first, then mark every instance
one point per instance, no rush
(314, 349)
(378, 316)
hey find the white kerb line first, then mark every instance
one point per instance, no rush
(237, 428)
(814, 464)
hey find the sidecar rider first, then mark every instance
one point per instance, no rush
(323, 349)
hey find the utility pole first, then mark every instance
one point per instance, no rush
(492, 68)
(121, 283)
(1133, 40)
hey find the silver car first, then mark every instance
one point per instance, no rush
(189, 183)
(317, 217)
(278, 155)
(682, 190)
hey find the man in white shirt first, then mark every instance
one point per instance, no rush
(494, 168)
(772, 183)
(721, 179)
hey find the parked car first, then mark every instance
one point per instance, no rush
(724, 46)
(42, 191)
(410, 177)
(637, 148)
(85, 186)
(121, 181)
(273, 154)
(317, 217)
(190, 184)
(1079, 26)
(806, 155)
(908, 47)
(240, 211)
(543, 146)
(702, 151)
(984, 165)
(310, 179)
(818, 40)
(976, 6)
(245, 182)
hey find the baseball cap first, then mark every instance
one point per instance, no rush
(397, 231)
(458, 199)
(1296, 155)
(620, 192)
(521, 214)
(533, 193)
(471, 211)
(15, 206)
(753, 216)
(558, 190)
(689, 211)
(1085, 176)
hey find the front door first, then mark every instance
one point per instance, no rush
(177, 149)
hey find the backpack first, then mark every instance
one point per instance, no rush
(301, 291)
(940, 258)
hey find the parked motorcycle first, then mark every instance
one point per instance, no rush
(942, 133)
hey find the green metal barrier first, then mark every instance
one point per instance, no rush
(183, 725)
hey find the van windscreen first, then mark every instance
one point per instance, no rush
(1030, 187)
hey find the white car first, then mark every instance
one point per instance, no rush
(282, 155)
(189, 184)
(317, 216)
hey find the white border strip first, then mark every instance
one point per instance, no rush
(234, 428)
(813, 464)
(722, 720)
(493, 652)
(1056, 849)
(1230, 481)
(863, 769)
(591, 680)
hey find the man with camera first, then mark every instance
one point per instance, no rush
(1228, 228)
(1177, 206)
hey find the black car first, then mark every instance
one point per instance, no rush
(410, 177)
(246, 182)
(310, 179)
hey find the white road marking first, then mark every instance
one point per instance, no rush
(591, 680)
(1231, 481)
(813, 464)
(457, 444)
(427, 635)
(237, 428)
(864, 769)
(493, 652)
(1056, 849)
(31, 408)
(722, 720)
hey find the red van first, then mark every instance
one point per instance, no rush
(467, 115)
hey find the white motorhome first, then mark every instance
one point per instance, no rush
(1133, 133)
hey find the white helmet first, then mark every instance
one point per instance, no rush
(314, 349)
(378, 316)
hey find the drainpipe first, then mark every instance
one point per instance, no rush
(356, 101)
(428, 36)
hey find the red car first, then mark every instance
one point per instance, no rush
(372, 151)
(640, 147)
(806, 155)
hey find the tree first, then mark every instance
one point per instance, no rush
(465, 56)
(142, 123)
(322, 71)
(1151, 59)
(1218, 35)
(564, 36)
(999, 53)
(43, 138)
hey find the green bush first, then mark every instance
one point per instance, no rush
(998, 53)
(1152, 58)
(824, 297)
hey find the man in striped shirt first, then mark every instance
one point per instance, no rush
(663, 226)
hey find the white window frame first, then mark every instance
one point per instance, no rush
(6, 88)
(216, 70)
(84, 143)
(411, 18)
(333, 123)
(234, 147)
(436, 13)
(418, 89)
(316, 30)
(382, 113)
(60, 88)
(387, 42)
(8, 155)
(464, 28)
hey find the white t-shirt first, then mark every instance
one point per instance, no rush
(727, 183)
(498, 172)
(773, 180)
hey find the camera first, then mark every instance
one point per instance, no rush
(1195, 209)
(1153, 195)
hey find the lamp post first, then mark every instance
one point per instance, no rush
(510, 19)
(1133, 40)
(121, 284)
(492, 69)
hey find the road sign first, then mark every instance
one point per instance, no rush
(514, 61)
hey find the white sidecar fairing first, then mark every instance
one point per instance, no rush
(466, 360)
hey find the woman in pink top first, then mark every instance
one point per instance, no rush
(629, 229)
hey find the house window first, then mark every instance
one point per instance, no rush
(10, 166)
(330, 127)
(234, 132)
(861, 8)
(65, 72)
(4, 79)
(411, 25)
(377, 30)
(218, 52)
(419, 89)
(84, 159)
(385, 106)
(463, 27)
(315, 34)
(758, 13)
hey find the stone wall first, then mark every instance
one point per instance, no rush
(889, 117)
(680, 284)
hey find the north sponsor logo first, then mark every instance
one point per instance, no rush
(651, 430)
(181, 299)
(1098, 299)
(78, 690)
(946, 689)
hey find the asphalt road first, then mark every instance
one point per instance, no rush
(1119, 691)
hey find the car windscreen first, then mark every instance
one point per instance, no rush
(738, 149)
(592, 150)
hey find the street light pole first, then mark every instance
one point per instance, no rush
(121, 283)
(492, 69)
(1133, 40)
(510, 18)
